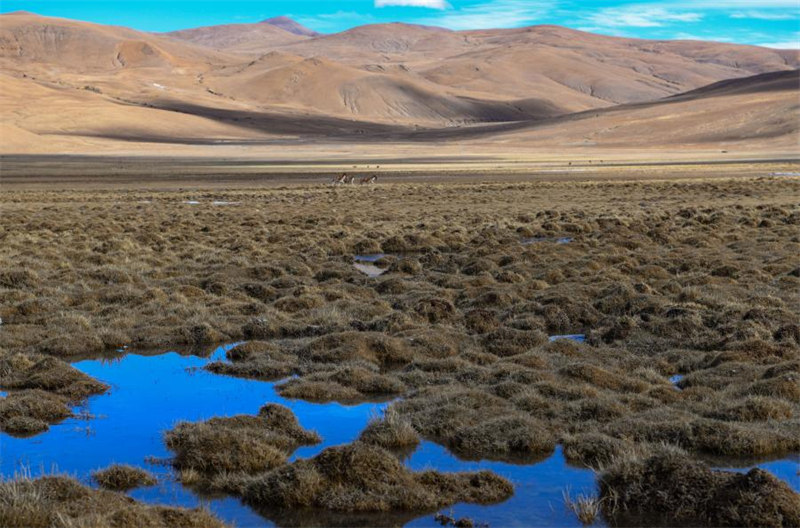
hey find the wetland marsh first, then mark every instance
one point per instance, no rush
(530, 336)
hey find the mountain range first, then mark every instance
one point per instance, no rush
(68, 85)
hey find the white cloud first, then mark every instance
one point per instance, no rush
(329, 22)
(738, 4)
(763, 15)
(640, 15)
(494, 14)
(431, 4)
(794, 43)
(789, 44)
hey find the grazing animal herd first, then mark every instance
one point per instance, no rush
(350, 178)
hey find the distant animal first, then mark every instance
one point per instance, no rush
(340, 178)
(370, 179)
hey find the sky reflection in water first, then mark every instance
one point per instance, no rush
(150, 394)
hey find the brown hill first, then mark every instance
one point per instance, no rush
(596, 70)
(544, 84)
(389, 95)
(29, 41)
(256, 38)
(566, 69)
(761, 111)
(287, 24)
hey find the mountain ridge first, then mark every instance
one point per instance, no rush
(395, 77)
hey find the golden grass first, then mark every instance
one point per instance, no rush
(122, 477)
(668, 487)
(692, 276)
(62, 501)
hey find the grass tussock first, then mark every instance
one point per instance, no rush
(122, 477)
(62, 501)
(241, 443)
(392, 431)
(365, 478)
(670, 487)
(587, 508)
(697, 277)
(42, 389)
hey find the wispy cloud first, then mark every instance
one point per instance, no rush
(494, 14)
(431, 4)
(789, 44)
(331, 22)
(640, 15)
(792, 43)
(736, 4)
(764, 15)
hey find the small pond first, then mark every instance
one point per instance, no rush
(366, 264)
(578, 338)
(151, 393)
(540, 239)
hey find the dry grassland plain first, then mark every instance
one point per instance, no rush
(697, 277)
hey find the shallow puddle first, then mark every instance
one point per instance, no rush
(675, 380)
(554, 240)
(366, 264)
(369, 258)
(580, 338)
(371, 270)
(149, 394)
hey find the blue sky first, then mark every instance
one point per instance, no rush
(773, 23)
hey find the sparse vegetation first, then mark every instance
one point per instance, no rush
(247, 444)
(62, 501)
(585, 507)
(363, 478)
(692, 277)
(43, 390)
(122, 477)
(668, 488)
(390, 431)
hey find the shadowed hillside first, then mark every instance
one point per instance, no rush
(542, 85)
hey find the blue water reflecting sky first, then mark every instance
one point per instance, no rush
(150, 394)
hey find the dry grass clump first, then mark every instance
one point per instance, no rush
(595, 450)
(62, 501)
(258, 360)
(693, 277)
(670, 487)
(122, 477)
(43, 389)
(373, 347)
(476, 425)
(346, 383)
(241, 443)
(391, 431)
(34, 371)
(359, 477)
(585, 507)
(29, 412)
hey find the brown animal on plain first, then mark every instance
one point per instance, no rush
(369, 179)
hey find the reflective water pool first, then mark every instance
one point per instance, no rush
(150, 393)
(371, 270)
(580, 338)
(366, 264)
(539, 239)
